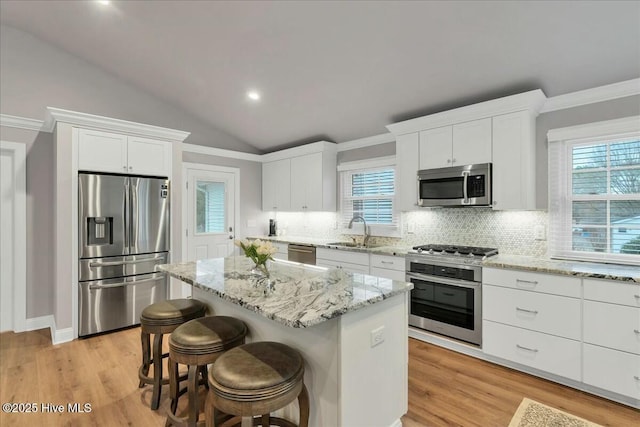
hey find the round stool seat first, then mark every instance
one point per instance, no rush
(172, 312)
(207, 335)
(258, 365)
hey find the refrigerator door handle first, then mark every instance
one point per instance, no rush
(112, 263)
(133, 216)
(127, 217)
(122, 284)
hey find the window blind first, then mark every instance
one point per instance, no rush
(210, 207)
(594, 203)
(369, 193)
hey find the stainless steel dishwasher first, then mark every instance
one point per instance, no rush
(305, 254)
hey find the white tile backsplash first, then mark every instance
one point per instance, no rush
(512, 232)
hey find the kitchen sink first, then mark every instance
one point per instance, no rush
(346, 244)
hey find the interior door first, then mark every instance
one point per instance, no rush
(211, 212)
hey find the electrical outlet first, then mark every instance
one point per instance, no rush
(539, 232)
(377, 336)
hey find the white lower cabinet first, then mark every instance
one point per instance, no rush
(613, 326)
(612, 370)
(389, 267)
(551, 314)
(283, 250)
(354, 262)
(559, 356)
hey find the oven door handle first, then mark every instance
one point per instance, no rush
(443, 280)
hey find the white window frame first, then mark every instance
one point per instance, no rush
(561, 142)
(380, 230)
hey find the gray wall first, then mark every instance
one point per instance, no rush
(380, 150)
(35, 75)
(607, 110)
(40, 221)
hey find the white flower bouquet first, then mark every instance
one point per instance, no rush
(259, 251)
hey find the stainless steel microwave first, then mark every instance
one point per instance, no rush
(455, 186)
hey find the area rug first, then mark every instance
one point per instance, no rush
(534, 414)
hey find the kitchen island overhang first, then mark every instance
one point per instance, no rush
(350, 328)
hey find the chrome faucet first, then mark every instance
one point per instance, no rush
(365, 239)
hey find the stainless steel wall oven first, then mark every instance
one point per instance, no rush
(447, 294)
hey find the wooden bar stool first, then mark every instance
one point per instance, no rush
(198, 343)
(159, 319)
(256, 379)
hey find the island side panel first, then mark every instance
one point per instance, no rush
(318, 346)
(374, 379)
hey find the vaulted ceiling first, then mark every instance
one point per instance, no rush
(339, 70)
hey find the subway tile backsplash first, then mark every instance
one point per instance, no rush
(512, 232)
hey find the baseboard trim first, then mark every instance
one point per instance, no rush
(36, 323)
(396, 423)
(58, 336)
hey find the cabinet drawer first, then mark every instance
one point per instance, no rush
(388, 262)
(612, 291)
(343, 256)
(611, 325)
(546, 283)
(388, 274)
(612, 370)
(548, 353)
(550, 314)
(347, 266)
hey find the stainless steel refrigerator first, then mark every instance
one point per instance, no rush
(123, 234)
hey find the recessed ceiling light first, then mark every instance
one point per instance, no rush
(104, 2)
(253, 95)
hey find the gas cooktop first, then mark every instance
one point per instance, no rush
(455, 251)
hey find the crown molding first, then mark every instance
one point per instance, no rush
(20, 122)
(55, 115)
(220, 152)
(531, 101)
(597, 129)
(593, 95)
(366, 142)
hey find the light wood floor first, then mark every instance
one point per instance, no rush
(445, 388)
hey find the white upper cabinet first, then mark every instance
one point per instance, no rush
(276, 185)
(514, 161)
(406, 173)
(436, 148)
(304, 180)
(500, 131)
(460, 144)
(100, 151)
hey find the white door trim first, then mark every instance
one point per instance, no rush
(185, 215)
(19, 243)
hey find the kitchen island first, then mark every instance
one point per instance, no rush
(351, 329)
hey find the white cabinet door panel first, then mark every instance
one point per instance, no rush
(472, 142)
(613, 326)
(538, 282)
(548, 353)
(387, 273)
(102, 151)
(148, 157)
(388, 262)
(346, 266)
(407, 165)
(343, 256)
(612, 370)
(612, 291)
(269, 186)
(436, 147)
(550, 314)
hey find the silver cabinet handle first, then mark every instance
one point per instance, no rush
(533, 350)
(527, 311)
(529, 282)
(636, 331)
(112, 263)
(386, 262)
(300, 250)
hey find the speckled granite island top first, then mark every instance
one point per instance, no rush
(296, 295)
(594, 270)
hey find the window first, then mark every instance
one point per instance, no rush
(594, 187)
(210, 209)
(368, 190)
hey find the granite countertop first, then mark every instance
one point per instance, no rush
(593, 270)
(296, 295)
